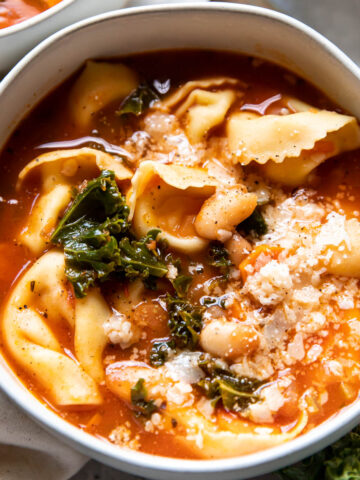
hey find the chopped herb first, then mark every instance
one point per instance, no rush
(143, 406)
(160, 352)
(185, 321)
(181, 284)
(219, 257)
(137, 260)
(340, 461)
(95, 234)
(220, 384)
(138, 101)
(254, 224)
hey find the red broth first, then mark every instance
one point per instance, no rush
(13, 12)
(49, 124)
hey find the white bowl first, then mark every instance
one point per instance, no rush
(250, 30)
(18, 39)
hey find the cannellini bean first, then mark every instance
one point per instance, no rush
(223, 211)
(238, 248)
(229, 339)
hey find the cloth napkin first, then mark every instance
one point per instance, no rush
(29, 453)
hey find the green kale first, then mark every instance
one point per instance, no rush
(95, 234)
(160, 352)
(137, 260)
(218, 257)
(138, 101)
(143, 406)
(185, 321)
(254, 224)
(219, 383)
(99, 200)
(181, 284)
(311, 468)
(340, 461)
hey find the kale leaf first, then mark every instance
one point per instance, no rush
(137, 260)
(143, 406)
(340, 461)
(181, 284)
(311, 468)
(138, 101)
(254, 224)
(218, 257)
(185, 321)
(97, 241)
(160, 352)
(219, 383)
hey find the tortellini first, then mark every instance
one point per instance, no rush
(169, 197)
(39, 304)
(209, 439)
(345, 261)
(290, 146)
(91, 312)
(57, 170)
(203, 109)
(99, 84)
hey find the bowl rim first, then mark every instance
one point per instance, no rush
(275, 457)
(34, 20)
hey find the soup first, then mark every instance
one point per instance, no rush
(180, 247)
(13, 12)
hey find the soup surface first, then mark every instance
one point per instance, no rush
(16, 11)
(179, 237)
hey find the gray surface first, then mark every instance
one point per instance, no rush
(339, 21)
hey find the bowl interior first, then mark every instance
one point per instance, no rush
(248, 30)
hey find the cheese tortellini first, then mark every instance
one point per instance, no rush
(290, 146)
(201, 108)
(38, 306)
(345, 261)
(99, 84)
(167, 197)
(209, 439)
(57, 171)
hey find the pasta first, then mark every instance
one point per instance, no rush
(99, 84)
(32, 342)
(307, 139)
(174, 180)
(197, 294)
(56, 170)
(202, 108)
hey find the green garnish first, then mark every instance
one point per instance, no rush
(160, 352)
(97, 241)
(185, 321)
(255, 224)
(181, 284)
(218, 257)
(138, 101)
(220, 384)
(340, 461)
(143, 406)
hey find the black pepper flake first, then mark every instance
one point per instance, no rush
(32, 285)
(174, 423)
